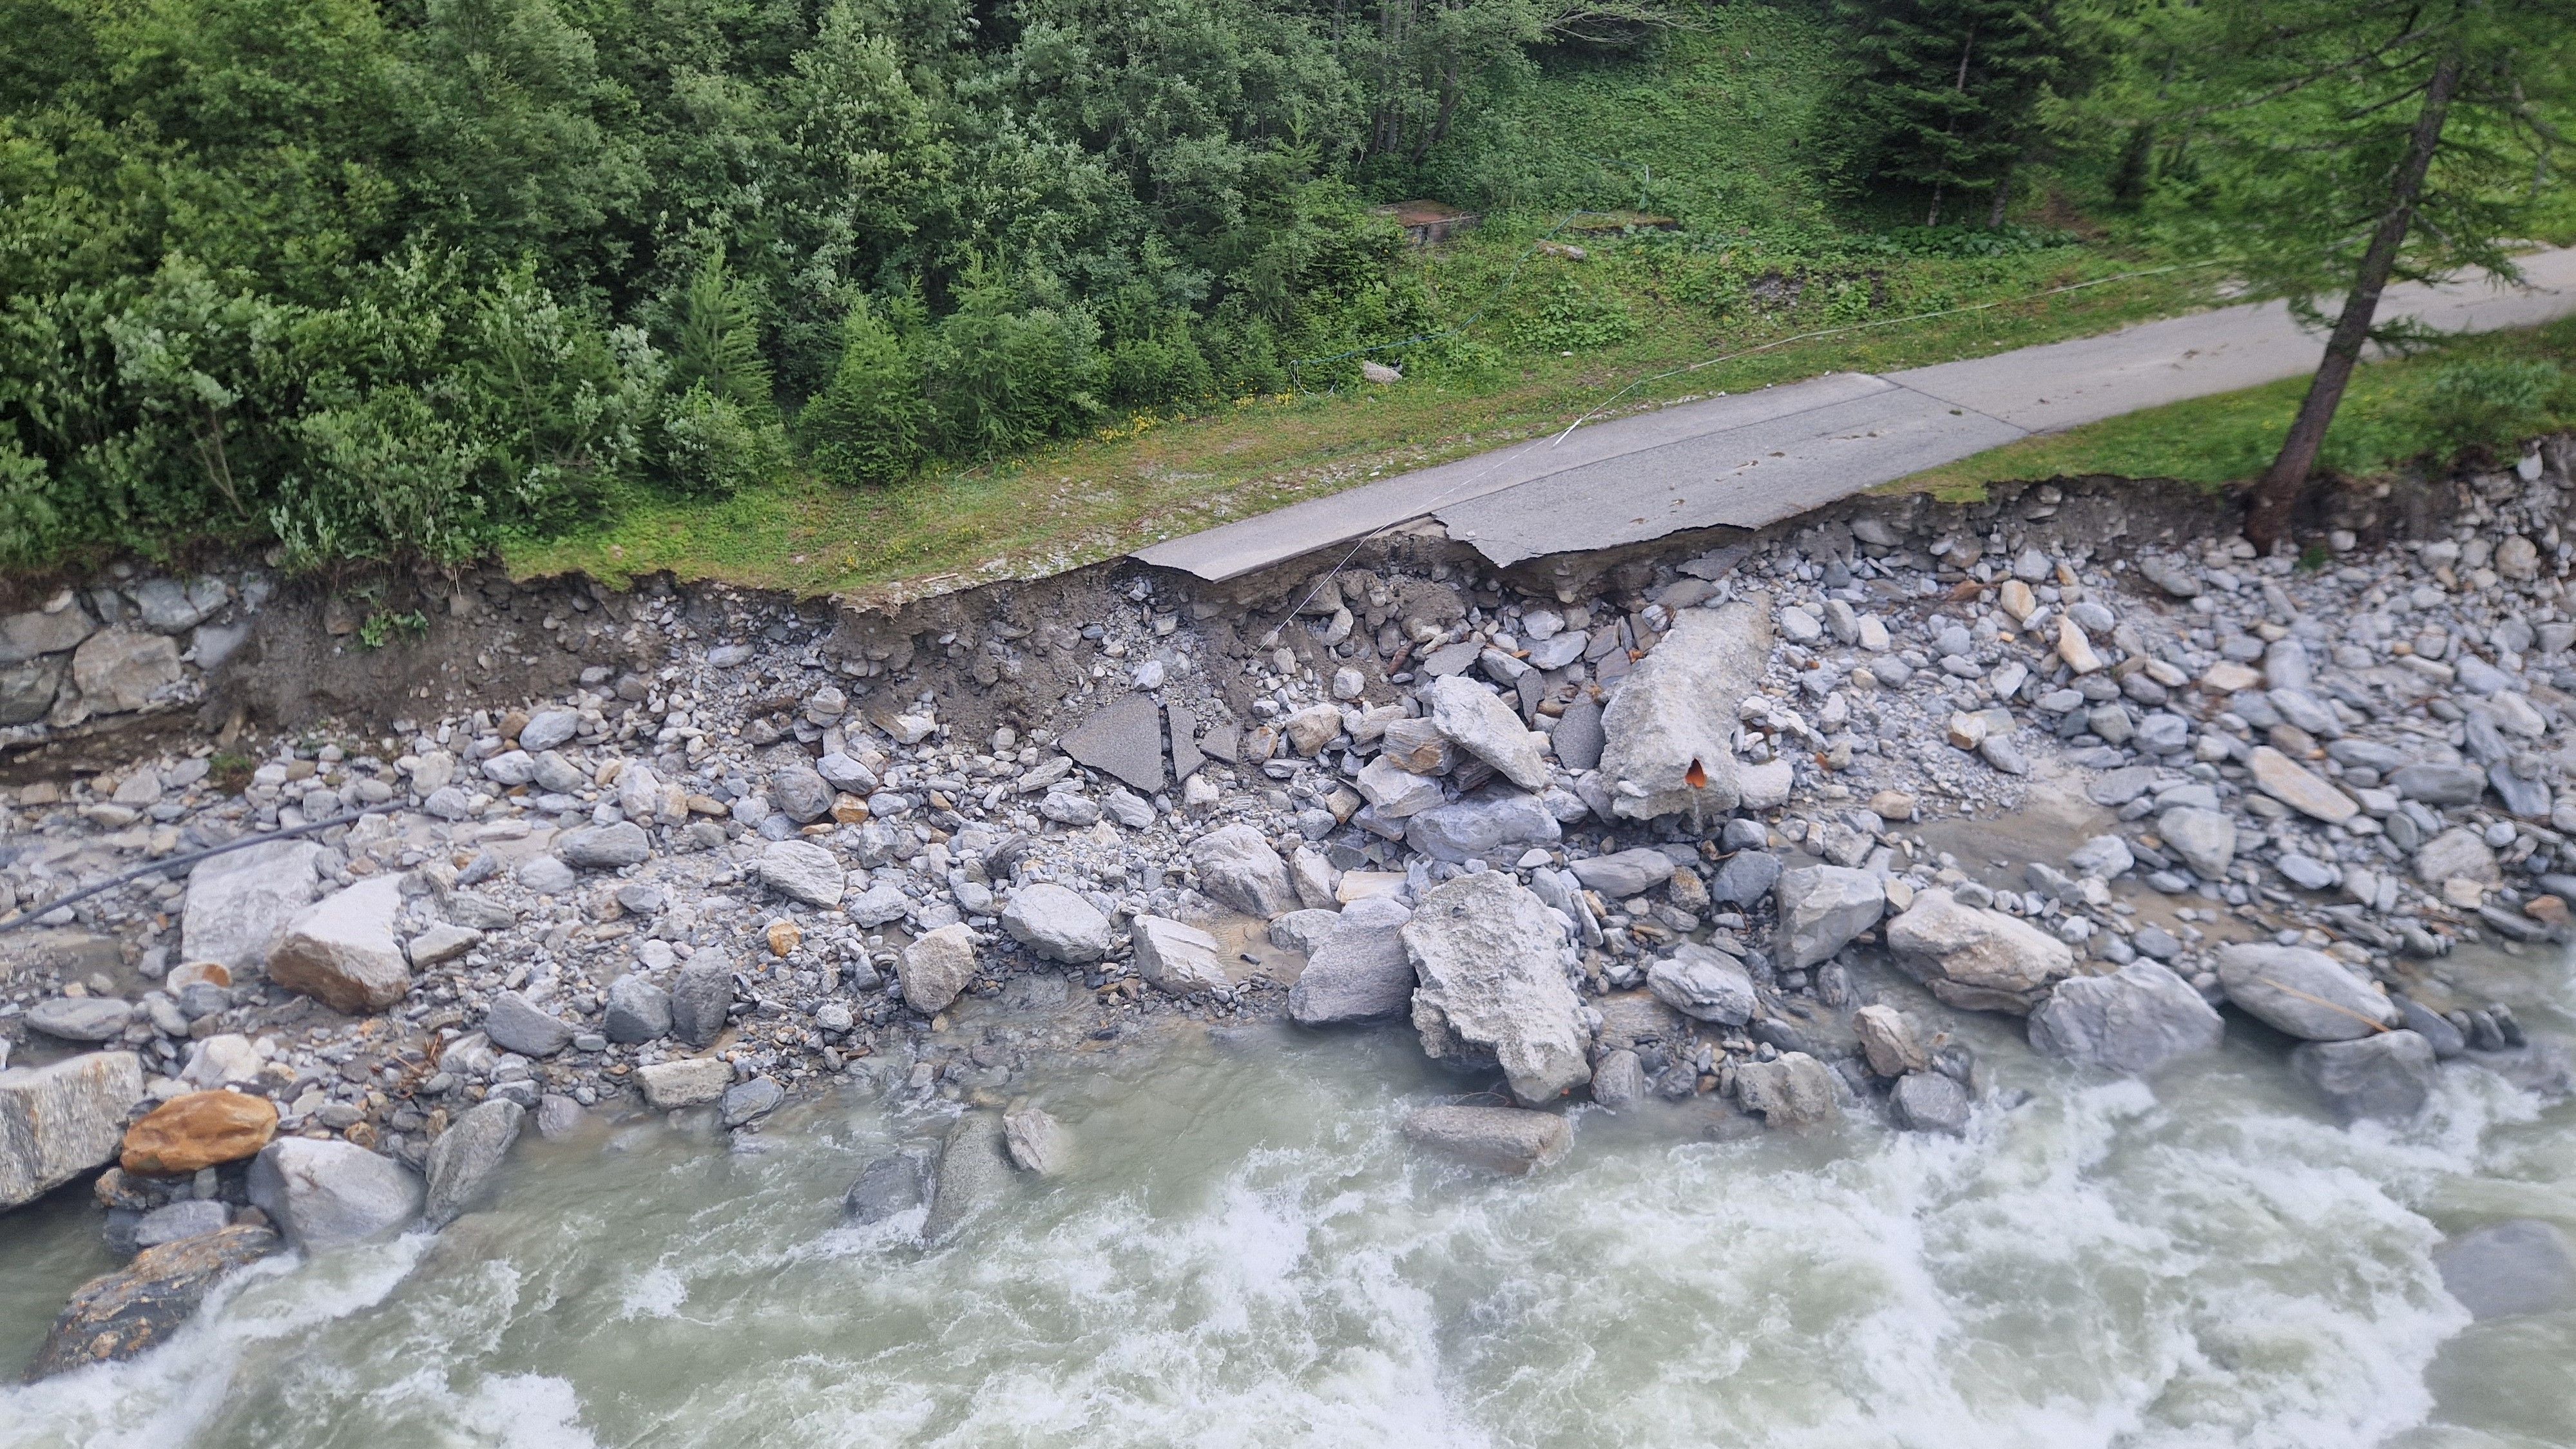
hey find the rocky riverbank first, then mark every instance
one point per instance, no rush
(1609, 830)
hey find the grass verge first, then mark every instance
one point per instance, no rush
(2483, 391)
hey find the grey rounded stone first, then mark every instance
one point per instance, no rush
(548, 728)
(517, 1024)
(638, 1011)
(803, 794)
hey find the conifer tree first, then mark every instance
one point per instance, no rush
(1951, 92)
(871, 422)
(718, 347)
(2335, 146)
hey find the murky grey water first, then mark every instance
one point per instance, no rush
(1248, 1254)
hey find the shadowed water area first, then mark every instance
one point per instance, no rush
(1246, 1251)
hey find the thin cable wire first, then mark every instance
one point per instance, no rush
(166, 864)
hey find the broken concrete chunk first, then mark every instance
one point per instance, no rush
(1124, 740)
(1668, 731)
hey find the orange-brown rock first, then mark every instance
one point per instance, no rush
(198, 1130)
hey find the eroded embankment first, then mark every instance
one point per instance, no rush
(1605, 827)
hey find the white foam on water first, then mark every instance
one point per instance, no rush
(502, 1411)
(2200, 1261)
(170, 1395)
(657, 1292)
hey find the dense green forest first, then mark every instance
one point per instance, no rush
(399, 280)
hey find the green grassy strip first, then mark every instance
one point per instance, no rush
(2486, 391)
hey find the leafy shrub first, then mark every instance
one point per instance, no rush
(421, 417)
(1163, 366)
(2490, 402)
(1562, 314)
(2468, 403)
(712, 445)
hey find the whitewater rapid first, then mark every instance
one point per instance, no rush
(1248, 1253)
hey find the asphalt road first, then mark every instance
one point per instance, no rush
(1754, 459)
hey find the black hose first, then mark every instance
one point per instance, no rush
(170, 863)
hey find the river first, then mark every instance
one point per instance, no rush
(1248, 1253)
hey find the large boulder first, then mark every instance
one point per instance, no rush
(1056, 924)
(702, 999)
(1477, 721)
(122, 1314)
(1976, 959)
(239, 903)
(122, 669)
(2135, 1020)
(801, 793)
(2456, 854)
(60, 1120)
(1704, 984)
(1500, 1139)
(1493, 824)
(2294, 785)
(1929, 1102)
(1238, 869)
(27, 690)
(1396, 792)
(326, 1194)
(638, 1011)
(1178, 958)
(466, 1157)
(2305, 993)
(897, 1182)
(2205, 839)
(1794, 1090)
(974, 1168)
(605, 847)
(936, 967)
(200, 1129)
(25, 636)
(1359, 970)
(803, 871)
(517, 1024)
(1038, 1143)
(1822, 908)
(2389, 1076)
(2523, 1265)
(81, 1018)
(1623, 874)
(1669, 730)
(1888, 1042)
(688, 1082)
(342, 951)
(1489, 958)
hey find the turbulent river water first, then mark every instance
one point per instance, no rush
(1248, 1253)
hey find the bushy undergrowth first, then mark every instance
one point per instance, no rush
(393, 279)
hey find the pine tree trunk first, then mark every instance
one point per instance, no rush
(2003, 195)
(2276, 498)
(1967, 48)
